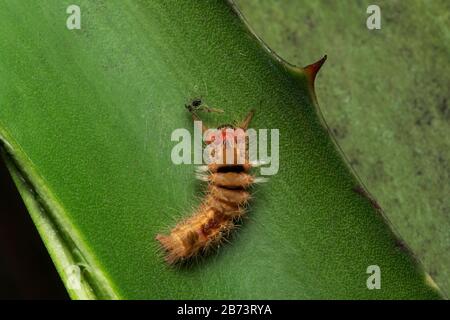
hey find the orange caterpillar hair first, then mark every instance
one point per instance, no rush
(225, 201)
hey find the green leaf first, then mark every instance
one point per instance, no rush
(86, 118)
(394, 130)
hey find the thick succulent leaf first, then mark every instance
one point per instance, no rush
(86, 118)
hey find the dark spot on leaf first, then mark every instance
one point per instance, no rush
(339, 132)
(310, 22)
(425, 116)
(362, 192)
(401, 245)
(443, 109)
(354, 162)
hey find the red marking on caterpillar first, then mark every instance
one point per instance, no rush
(225, 202)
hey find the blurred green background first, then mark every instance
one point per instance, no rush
(384, 94)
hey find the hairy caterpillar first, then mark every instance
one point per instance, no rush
(225, 201)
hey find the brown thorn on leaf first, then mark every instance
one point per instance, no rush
(311, 73)
(312, 69)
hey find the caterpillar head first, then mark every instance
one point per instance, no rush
(227, 144)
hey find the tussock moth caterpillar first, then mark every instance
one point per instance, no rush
(226, 197)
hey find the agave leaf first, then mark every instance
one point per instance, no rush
(86, 119)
